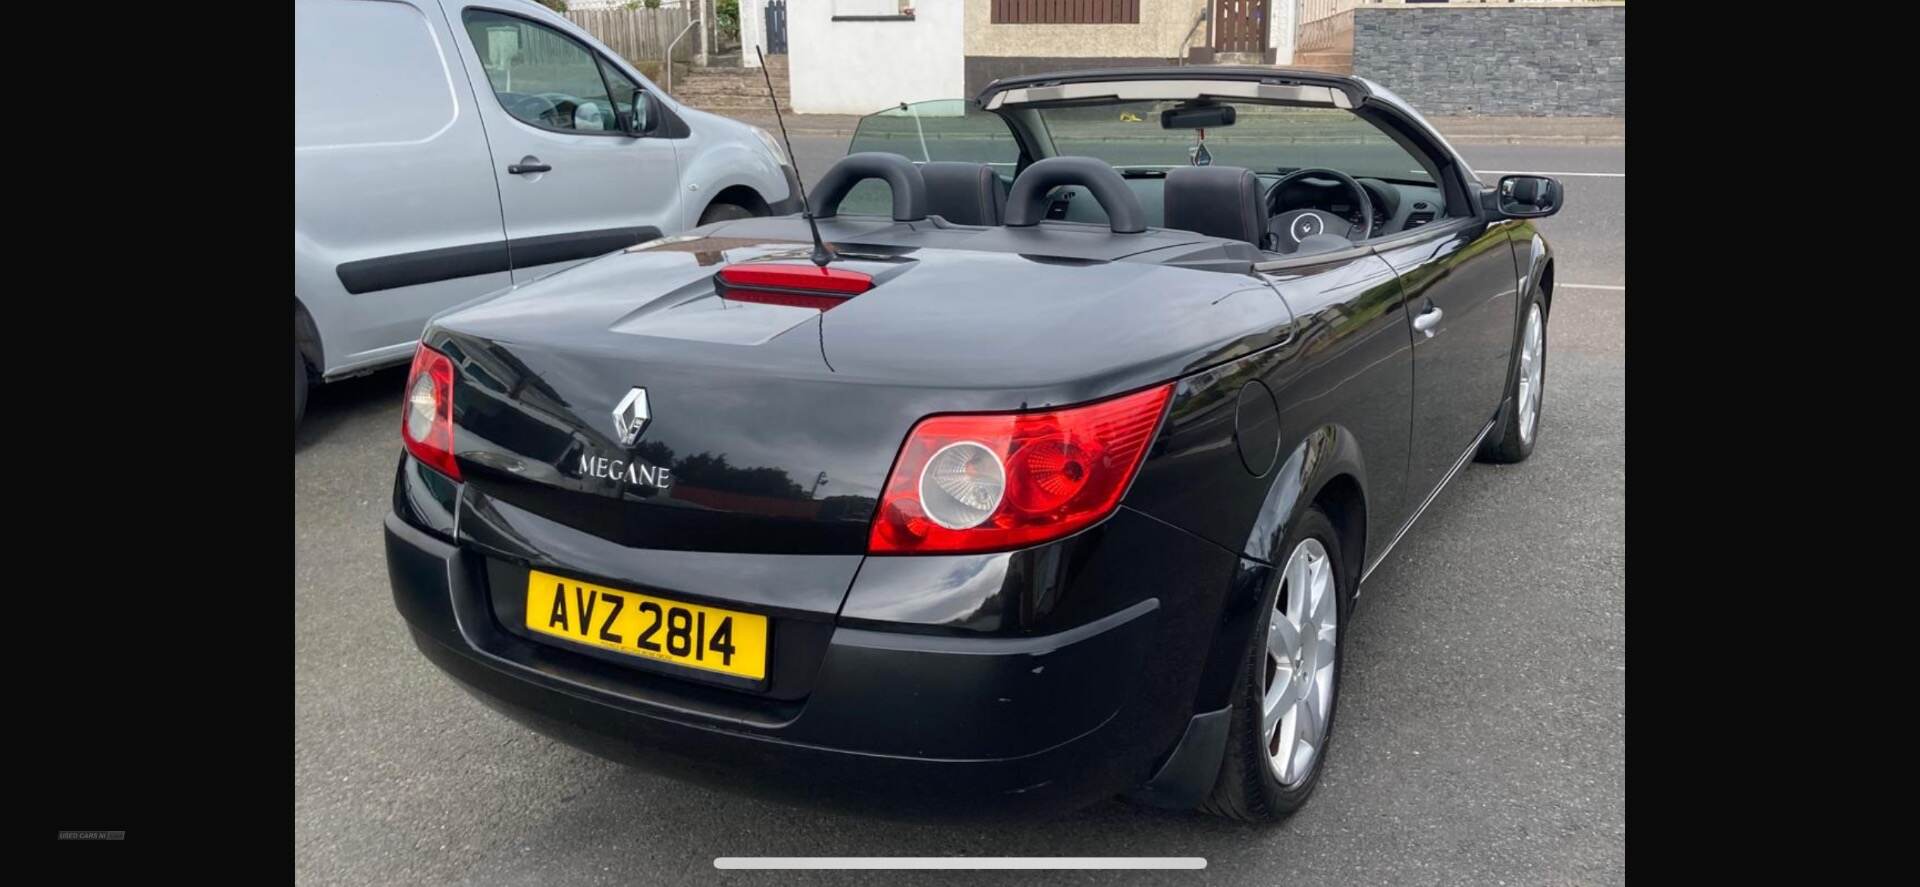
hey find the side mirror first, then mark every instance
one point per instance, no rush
(639, 119)
(1526, 197)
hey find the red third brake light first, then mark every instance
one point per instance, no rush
(791, 300)
(991, 482)
(804, 278)
(426, 420)
(799, 286)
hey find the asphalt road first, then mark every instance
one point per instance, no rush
(1482, 732)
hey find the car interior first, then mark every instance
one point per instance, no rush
(1279, 211)
(1212, 218)
(1170, 197)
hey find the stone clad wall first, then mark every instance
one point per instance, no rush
(1522, 61)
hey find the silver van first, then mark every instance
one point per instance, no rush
(444, 149)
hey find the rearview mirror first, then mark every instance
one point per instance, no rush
(1527, 197)
(1197, 117)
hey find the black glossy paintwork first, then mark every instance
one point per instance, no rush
(1038, 590)
(424, 498)
(1007, 721)
(1045, 676)
(1256, 428)
(1460, 372)
(779, 424)
(1531, 259)
(1346, 375)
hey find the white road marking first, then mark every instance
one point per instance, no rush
(1591, 286)
(1529, 172)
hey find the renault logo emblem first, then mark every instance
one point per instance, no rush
(630, 418)
(1307, 226)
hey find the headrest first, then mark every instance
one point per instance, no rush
(1218, 201)
(964, 193)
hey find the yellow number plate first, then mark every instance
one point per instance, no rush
(706, 638)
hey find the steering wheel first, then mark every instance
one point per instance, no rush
(530, 107)
(1288, 228)
(563, 106)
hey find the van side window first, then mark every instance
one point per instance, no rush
(542, 77)
(623, 89)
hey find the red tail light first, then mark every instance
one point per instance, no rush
(426, 421)
(972, 483)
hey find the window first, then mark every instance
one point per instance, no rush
(541, 76)
(1268, 139)
(1066, 12)
(872, 10)
(947, 129)
(624, 90)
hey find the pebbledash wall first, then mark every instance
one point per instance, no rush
(1545, 60)
(843, 60)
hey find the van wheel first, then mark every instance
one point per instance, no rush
(299, 386)
(722, 212)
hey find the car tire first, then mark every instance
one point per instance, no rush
(722, 212)
(300, 383)
(1512, 441)
(1249, 787)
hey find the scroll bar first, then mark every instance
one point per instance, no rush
(776, 863)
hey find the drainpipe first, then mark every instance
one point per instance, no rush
(1181, 50)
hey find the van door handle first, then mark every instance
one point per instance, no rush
(1426, 320)
(528, 165)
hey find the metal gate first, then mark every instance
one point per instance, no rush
(776, 26)
(1240, 25)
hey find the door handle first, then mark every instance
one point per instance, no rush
(1426, 320)
(528, 165)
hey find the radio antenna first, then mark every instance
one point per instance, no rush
(821, 253)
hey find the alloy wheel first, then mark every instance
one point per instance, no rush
(1302, 629)
(1532, 367)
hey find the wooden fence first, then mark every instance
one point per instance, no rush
(641, 34)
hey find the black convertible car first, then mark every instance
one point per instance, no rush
(1058, 480)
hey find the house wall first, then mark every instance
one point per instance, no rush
(859, 67)
(994, 51)
(1527, 60)
(1162, 24)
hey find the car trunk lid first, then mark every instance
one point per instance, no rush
(747, 443)
(770, 428)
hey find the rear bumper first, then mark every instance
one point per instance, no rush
(902, 722)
